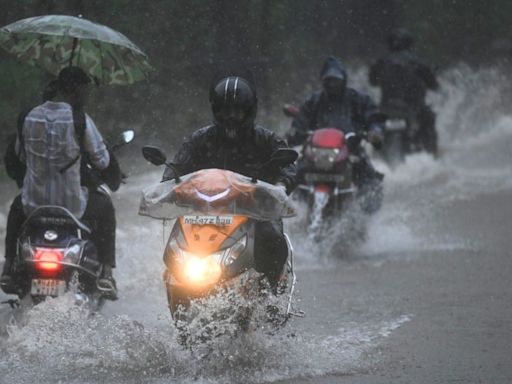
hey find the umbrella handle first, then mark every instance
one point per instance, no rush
(75, 43)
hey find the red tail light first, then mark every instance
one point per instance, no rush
(48, 260)
(323, 188)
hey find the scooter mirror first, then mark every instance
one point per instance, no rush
(154, 155)
(127, 136)
(283, 157)
(290, 110)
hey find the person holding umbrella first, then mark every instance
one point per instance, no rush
(54, 136)
(57, 135)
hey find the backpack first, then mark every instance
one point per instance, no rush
(90, 177)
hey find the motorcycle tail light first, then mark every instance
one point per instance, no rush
(48, 260)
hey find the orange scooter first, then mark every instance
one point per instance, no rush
(211, 245)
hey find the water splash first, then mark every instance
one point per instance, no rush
(64, 342)
(320, 201)
(134, 340)
(475, 138)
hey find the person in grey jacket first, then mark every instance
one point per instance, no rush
(51, 146)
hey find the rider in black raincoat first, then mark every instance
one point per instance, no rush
(235, 143)
(353, 112)
(404, 80)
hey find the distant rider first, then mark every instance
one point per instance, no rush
(55, 141)
(354, 113)
(404, 80)
(235, 143)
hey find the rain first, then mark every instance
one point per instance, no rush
(417, 291)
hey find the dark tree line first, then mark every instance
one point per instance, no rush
(283, 42)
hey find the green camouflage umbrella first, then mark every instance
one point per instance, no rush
(55, 41)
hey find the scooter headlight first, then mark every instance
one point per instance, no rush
(200, 270)
(203, 270)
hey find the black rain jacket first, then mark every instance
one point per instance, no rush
(403, 78)
(353, 111)
(207, 148)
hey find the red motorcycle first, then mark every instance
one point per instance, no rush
(325, 174)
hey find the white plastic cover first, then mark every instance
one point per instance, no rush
(215, 192)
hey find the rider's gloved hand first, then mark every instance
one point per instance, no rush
(375, 135)
(353, 142)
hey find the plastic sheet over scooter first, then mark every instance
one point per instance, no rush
(215, 192)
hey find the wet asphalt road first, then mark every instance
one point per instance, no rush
(425, 298)
(459, 302)
(433, 311)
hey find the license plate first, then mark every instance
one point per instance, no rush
(48, 287)
(396, 124)
(323, 178)
(220, 221)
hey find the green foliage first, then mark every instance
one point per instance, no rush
(282, 41)
(20, 83)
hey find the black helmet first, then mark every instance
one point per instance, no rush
(234, 103)
(400, 39)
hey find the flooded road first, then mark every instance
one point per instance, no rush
(424, 298)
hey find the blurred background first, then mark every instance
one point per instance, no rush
(283, 42)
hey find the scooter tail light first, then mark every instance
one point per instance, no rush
(48, 260)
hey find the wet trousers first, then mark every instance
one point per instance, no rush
(270, 249)
(427, 132)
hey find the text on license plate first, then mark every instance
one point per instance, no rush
(48, 287)
(208, 220)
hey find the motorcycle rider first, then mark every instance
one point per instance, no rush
(404, 80)
(234, 142)
(342, 107)
(55, 139)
